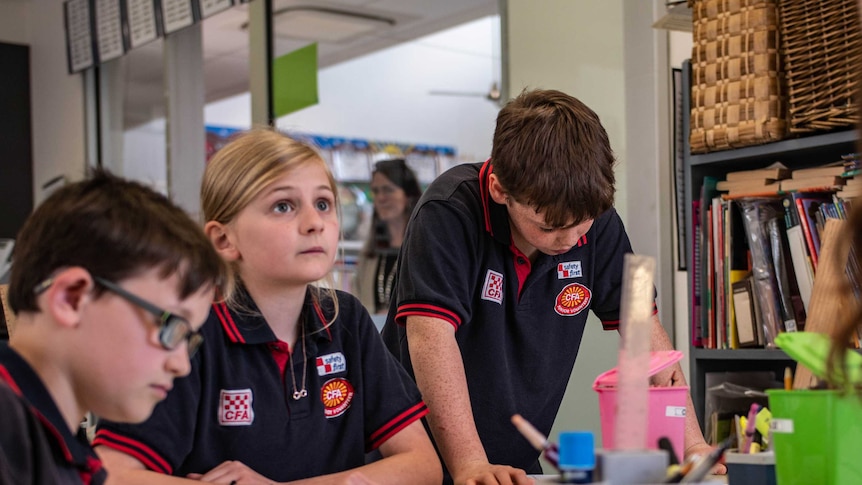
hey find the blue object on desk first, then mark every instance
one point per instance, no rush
(577, 456)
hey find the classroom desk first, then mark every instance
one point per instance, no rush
(709, 480)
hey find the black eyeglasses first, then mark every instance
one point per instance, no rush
(173, 329)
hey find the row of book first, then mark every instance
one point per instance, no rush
(777, 179)
(755, 255)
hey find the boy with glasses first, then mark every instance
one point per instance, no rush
(110, 283)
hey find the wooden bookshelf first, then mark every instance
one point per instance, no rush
(794, 153)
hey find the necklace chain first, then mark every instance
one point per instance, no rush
(301, 393)
(384, 291)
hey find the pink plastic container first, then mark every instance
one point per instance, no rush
(666, 407)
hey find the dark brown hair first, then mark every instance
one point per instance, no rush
(400, 174)
(550, 152)
(115, 229)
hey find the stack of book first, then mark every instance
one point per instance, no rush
(827, 177)
(762, 181)
(852, 185)
(852, 189)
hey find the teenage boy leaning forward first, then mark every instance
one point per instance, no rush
(500, 263)
(110, 283)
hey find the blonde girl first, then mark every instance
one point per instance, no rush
(293, 382)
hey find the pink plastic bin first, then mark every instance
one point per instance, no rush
(666, 407)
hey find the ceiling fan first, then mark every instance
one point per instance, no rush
(492, 94)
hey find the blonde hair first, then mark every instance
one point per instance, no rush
(239, 171)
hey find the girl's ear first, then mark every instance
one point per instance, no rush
(71, 289)
(498, 193)
(221, 238)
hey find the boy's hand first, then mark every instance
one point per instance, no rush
(704, 449)
(489, 474)
(357, 478)
(233, 473)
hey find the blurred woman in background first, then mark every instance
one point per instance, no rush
(395, 191)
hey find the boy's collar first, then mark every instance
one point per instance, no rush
(495, 215)
(23, 380)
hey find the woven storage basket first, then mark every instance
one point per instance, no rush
(737, 92)
(821, 53)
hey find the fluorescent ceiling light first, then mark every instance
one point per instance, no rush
(324, 25)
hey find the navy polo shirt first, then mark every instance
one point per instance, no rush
(36, 445)
(518, 324)
(237, 403)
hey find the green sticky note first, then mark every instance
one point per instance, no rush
(294, 81)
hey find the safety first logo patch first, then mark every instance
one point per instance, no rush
(569, 269)
(331, 364)
(492, 290)
(336, 394)
(572, 299)
(236, 408)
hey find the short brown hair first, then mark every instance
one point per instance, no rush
(115, 229)
(552, 153)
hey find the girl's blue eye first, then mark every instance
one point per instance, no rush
(323, 205)
(282, 207)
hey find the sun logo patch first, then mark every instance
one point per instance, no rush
(236, 409)
(572, 300)
(336, 394)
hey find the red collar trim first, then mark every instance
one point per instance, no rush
(227, 323)
(484, 182)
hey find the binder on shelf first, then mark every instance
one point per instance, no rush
(744, 311)
(737, 260)
(697, 281)
(802, 269)
(704, 262)
(792, 309)
(807, 204)
(757, 213)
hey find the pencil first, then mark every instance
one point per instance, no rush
(702, 468)
(788, 379)
(749, 426)
(538, 440)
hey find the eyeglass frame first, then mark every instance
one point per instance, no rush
(167, 321)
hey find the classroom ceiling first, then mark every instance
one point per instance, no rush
(343, 29)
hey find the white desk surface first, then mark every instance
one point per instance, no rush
(709, 480)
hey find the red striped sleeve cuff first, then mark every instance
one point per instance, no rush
(426, 310)
(134, 448)
(615, 324)
(395, 425)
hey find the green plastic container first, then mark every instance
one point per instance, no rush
(817, 437)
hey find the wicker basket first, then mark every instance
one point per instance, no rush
(737, 93)
(822, 57)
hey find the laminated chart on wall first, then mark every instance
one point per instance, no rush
(98, 31)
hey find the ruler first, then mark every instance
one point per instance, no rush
(636, 306)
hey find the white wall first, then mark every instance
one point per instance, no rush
(57, 98)
(385, 95)
(578, 50)
(680, 50)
